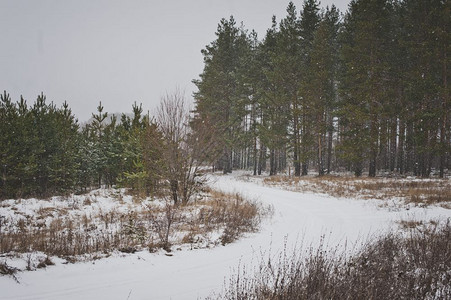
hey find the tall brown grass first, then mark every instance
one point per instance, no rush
(421, 192)
(157, 226)
(391, 267)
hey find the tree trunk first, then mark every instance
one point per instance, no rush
(224, 161)
(304, 169)
(358, 169)
(273, 163)
(262, 160)
(374, 135)
(372, 168)
(304, 147)
(409, 148)
(255, 156)
(393, 148)
(282, 160)
(383, 158)
(443, 143)
(174, 190)
(329, 144)
(400, 162)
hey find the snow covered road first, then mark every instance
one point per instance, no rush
(195, 274)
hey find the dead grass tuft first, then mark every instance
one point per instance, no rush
(410, 224)
(236, 214)
(45, 262)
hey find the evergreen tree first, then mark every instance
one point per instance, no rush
(274, 111)
(288, 66)
(308, 25)
(427, 41)
(86, 171)
(38, 148)
(153, 159)
(64, 160)
(98, 142)
(364, 80)
(8, 121)
(130, 151)
(219, 97)
(319, 86)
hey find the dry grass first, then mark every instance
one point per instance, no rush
(417, 191)
(232, 211)
(68, 236)
(216, 218)
(391, 267)
(410, 224)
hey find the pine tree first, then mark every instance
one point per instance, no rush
(288, 66)
(219, 98)
(153, 161)
(98, 141)
(274, 111)
(364, 79)
(319, 85)
(129, 151)
(308, 25)
(253, 77)
(86, 170)
(23, 147)
(427, 40)
(64, 160)
(8, 117)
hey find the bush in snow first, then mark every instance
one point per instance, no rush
(391, 267)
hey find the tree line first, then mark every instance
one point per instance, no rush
(45, 152)
(363, 92)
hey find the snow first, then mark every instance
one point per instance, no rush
(299, 218)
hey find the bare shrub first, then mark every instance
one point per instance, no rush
(240, 216)
(390, 267)
(162, 223)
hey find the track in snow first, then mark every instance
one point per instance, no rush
(298, 218)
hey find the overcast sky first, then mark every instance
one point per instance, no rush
(117, 52)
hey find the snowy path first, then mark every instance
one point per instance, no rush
(193, 274)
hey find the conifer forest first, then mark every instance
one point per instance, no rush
(322, 91)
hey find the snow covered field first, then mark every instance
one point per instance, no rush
(299, 218)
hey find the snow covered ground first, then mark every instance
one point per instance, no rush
(299, 218)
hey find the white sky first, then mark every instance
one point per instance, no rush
(117, 52)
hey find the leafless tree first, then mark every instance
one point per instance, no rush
(162, 223)
(186, 151)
